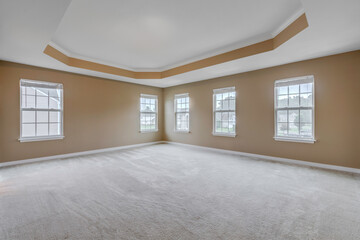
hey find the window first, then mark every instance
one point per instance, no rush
(224, 116)
(182, 112)
(148, 113)
(41, 110)
(294, 109)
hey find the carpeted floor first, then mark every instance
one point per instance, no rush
(167, 191)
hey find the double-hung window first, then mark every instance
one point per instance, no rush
(181, 103)
(224, 115)
(148, 113)
(41, 110)
(294, 109)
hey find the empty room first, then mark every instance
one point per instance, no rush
(169, 119)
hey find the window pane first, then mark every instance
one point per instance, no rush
(306, 100)
(30, 91)
(28, 116)
(232, 116)
(55, 103)
(55, 117)
(232, 104)
(306, 88)
(54, 129)
(282, 101)
(306, 130)
(42, 102)
(282, 90)
(294, 100)
(306, 116)
(218, 105)
(54, 93)
(28, 130)
(29, 102)
(42, 117)
(182, 121)
(218, 97)
(42, 129)
(294, 116)
(225, 116)
(282, 116)
(282, 129)
(42, 92)
(293, 128)
(232, 126)
(218, 116)
(294, 89)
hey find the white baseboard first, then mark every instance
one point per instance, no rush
(276, 159)
(76, 154)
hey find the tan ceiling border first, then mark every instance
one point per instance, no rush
(290, 31)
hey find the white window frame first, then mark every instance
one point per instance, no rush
(295, 81)
(218, 91)
(156, 113)
(61, 111)
(176, 97)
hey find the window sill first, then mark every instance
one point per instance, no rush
(37, 139)
(297, 140)
(224, 135)
(149, 131)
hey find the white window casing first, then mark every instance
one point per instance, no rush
(148, 113)
(294, 109)
(224, 112)
(41, 111)
(182, 112)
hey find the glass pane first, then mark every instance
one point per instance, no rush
(54, 129)
(28, 116)
(282, 129)
(23, 90)
(282, 101)
(232, 116)
(42, 117)
(29, 101)
(217, 116)
(294, 89)
(306, 100)
(218, 126)
(42, 102)
(153, 107)
(218, 97)
(282, 90)
(225, 96)
(232, 126)
(232, 104)
(30, 91)
(293, 128)
(28, 130)
(294, 116)
(218, 105)
(42, 129)
(54, 103)
(306, 116)
(142, 100)
(282, 116)
(55, 117)
(306, 130)
(306, 88)
(225, 116)
(42, 92)
(294, 100)
(54, 93)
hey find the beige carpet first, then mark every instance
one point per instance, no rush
(173, 192)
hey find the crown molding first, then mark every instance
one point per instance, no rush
(289, 29)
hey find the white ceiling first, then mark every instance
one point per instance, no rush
(159, 34)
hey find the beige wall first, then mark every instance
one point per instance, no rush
(98, 113)
(337, 111)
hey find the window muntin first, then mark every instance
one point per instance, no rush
(224, 114)
(148, 113)
(41, 110)
(294, 109)
(182, 114)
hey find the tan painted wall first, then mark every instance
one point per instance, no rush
(337, 111)
(98, 113)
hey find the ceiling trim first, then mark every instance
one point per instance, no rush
(290, 31)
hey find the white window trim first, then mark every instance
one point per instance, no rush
(295, 139)
(182, 95)
(42, 138)
(156, 113)
(217, 91)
